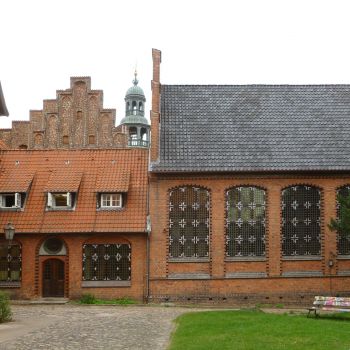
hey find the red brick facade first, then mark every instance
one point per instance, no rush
(219, 284)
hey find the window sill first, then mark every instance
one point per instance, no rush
(105, 284)
(235, 275)
(110, 209)
(302, 274)
(188, 260)
(60, 209)
(245, 258)
(189, 276)
(10, 284)
(343, 257)
(301, 258)
(11, 209)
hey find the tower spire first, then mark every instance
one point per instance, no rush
(135, 81)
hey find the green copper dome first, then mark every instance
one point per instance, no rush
(135, 89)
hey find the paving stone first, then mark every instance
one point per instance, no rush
(89, 327)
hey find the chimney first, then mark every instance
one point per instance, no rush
(155, 112)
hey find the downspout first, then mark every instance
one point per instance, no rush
(148, 231)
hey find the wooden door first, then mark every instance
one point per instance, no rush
(53, 278)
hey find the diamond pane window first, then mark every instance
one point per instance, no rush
(245, 222)
(10, 262)
(301, 221)
(106, 262)
(189, 221)
(343, 238)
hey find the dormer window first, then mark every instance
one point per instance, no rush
(11, 200)
(60, 200)
(111, 200)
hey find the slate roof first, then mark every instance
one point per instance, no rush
(84, 170)
(254, 128)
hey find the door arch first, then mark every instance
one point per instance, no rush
(53, 278)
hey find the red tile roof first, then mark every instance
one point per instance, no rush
(64, 179)
(15, 180)
(113, 179)
(49, 168)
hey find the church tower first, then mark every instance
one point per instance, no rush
(135, 121)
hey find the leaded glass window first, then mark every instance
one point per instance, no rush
(245, 222)
(10, 262)
(343, 238)
(106, 262)
(189, 222)
(301, 221)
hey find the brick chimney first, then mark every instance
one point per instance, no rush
(155, 112)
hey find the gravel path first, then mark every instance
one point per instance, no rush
(89, 327)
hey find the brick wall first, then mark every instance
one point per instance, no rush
(217, 283)
(32, 266)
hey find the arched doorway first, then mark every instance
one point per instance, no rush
(53, 278)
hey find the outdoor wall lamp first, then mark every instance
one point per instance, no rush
(331, 260)
(9, 230)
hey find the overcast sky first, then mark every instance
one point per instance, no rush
(44, 43)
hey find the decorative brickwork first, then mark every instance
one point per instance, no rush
(75, 119)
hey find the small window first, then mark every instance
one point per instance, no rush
(60, 200)
(111, 200)
(65, 140)
(11, 200)
(10, 262)
(91, 139)
(79, 114)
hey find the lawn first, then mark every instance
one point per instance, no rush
(245, 330)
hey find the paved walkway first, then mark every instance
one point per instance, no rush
(88, 327)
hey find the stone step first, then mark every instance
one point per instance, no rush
(42, 301)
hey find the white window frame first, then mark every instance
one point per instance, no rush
(17, 200)
(106, 200)
(51, 200)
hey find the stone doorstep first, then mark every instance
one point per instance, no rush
(41, 301)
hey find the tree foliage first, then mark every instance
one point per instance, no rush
(342, 223)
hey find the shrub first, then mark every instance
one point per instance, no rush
(88, 299)
(5, 309)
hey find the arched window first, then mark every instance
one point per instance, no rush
(343, 238)
(301, 221)
(134, 107)
(140, 106)
(10, 262)
(245, 222)
(189, 222)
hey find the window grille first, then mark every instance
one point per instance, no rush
(10, 262)
(245, 222)
(301, 221)
(343, 238)
(106, 262)
(189, 222)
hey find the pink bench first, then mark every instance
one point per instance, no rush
(333, 304)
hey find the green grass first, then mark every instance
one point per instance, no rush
(255, 330)
(92, 300)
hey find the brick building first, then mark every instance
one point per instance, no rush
(77, 119)
(77, 199)
(243, 182)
